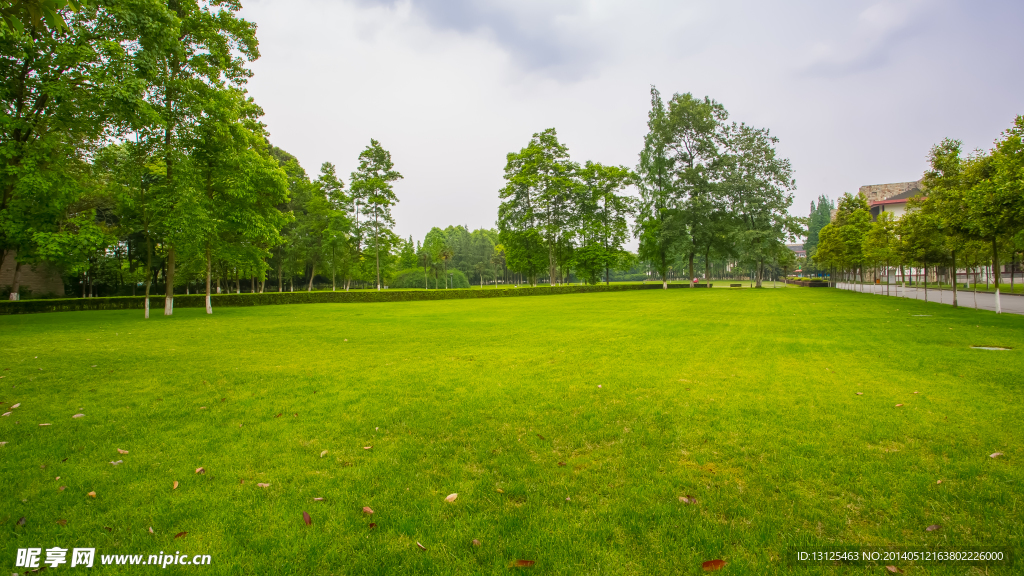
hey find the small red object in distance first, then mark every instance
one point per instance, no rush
(712, 565)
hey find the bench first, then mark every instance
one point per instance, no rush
(735, 285)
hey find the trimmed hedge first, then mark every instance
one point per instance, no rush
(268, 298)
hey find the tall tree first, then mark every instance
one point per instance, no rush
(657, 226)
(535, 207)
(209, 50)
(759, 184)
(698, 142)
(601, 215)
(240, 185)
(372, 185)
(820, 216)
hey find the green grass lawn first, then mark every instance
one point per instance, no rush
(569, 426)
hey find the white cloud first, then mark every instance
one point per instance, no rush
(857, 91)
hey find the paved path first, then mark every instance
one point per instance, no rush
(1010, 303)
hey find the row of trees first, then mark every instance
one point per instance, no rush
(707, 189)
(971, 214)
(132, 156)
(130, 150)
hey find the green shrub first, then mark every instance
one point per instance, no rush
(413, 278)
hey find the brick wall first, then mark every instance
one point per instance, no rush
(42, 280)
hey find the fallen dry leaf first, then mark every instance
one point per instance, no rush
(712, 565)
(119, 451)
(307, 519)
(13, 406)
(175, 487)
(499, 490)
(324, 453)
(898, 405)
(78, 415)
(860, 393)
(91, 494)
(113, 463)
(5, 414)
(108, 528)
(21, 521)
(561, 463)
(373, 525)
(915, 391)
(367, 510)
(933, 527)
(62, 522)
(367, 447)
(151, 530)
(318, 499)
(567, 499)
(996, 455)
(894, 569)
(57, 478)
(421, 546)
(938, 481)
(476, 542)
(200, 470)
(539, 436)
(523, 564)
(688, 499)
(279, 415)
(62, 488)
(45, 424)
(3, 443)
(263, 485)
(180, 534)
(451, 497)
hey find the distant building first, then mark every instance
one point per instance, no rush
(890, 197)
(798, 250)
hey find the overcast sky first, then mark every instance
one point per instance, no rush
(857, 91)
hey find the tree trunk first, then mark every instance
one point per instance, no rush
(16, 284)
(209, 270)
(707, 266)
(551, 265)
(954, 280)
(312, 274)
(280, 281)
(690, 276)
(149, 270)
(169, 287)
(975, 293)
(926, 282)
(995, 273)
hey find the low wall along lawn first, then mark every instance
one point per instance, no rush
(269, 298)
